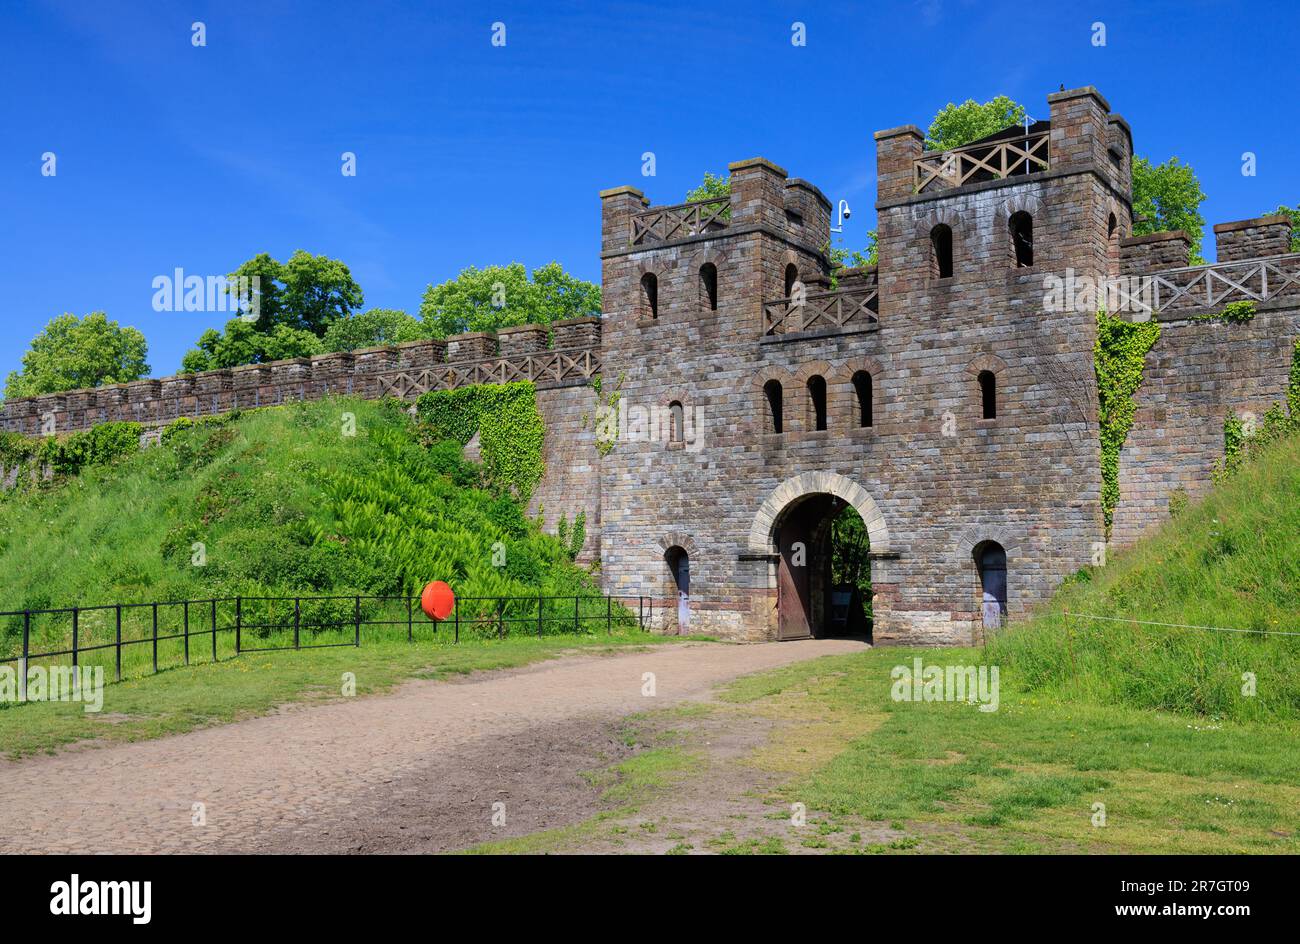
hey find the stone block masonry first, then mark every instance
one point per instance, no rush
(403, 370)
(958, 414)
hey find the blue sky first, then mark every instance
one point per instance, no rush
(175, 156)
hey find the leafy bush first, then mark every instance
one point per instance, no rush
(508, 424)
(99, 445)
(1239, 312)
(285, 505)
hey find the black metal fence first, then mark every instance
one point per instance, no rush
(179, 632)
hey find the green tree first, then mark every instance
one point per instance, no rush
(842, 258)
(1169, 196)
(242, 343)
(504, 296)
(296, 302)
(307, 292)
(370, 329)
(850, 554)
(71, 353)
(713, 188)
(1294, 215)
(958, 125)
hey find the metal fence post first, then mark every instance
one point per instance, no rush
(501, 625)
(539, 616)
(27, 639)
(577, 626)
(214, 630)
(239, 622)
(609, 616)
(76, 631)
(410, 628)
(118, 637)
(297, 618)
(357, 619)
(155, 637)
(456, 611)
(640, 612)
(186, 618)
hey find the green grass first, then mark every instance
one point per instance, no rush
(285, 503)
(1025, 778)
(1233, 561)
(181, 699)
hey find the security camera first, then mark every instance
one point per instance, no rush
(847, 213)
(844, 215)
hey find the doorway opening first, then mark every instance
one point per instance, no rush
(679, 573)
(991, 567)
(823, 570)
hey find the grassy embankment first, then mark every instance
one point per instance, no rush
(276, 503)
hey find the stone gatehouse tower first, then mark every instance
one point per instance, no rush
(937, 394)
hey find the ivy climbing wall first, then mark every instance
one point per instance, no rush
(539, 443)
(1199, 371)
(571, 483)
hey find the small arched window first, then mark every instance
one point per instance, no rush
(941, 251)
(709, 286)
(862, 386)
(676, 422)
(772, 393)
(1112, 245)
(988, 395)
(650, 295)
(791, 277)
(817, 400)
(1022, 240)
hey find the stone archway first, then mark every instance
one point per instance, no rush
(791, 529)
(762, 532)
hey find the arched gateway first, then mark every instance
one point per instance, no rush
(793, 525)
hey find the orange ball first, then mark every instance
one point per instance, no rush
(437, 600)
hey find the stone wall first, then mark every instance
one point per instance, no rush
(1252, 239)
(560, 360)
(1198, 373)
(400, 370)
(931, 477)
(572, 480)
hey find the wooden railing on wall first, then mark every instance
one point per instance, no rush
(661, 224)
(542, 368)
(546, 368)
(996, 160)
(1212, 286)
(850, 308)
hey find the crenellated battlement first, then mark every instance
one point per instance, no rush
(402, 370)
(949, 393)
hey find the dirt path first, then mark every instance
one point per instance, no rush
(416, 769)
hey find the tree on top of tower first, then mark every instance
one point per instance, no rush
(957, 125)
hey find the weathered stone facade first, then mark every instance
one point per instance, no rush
(691, 319)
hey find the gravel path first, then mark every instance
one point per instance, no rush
(296, 772)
